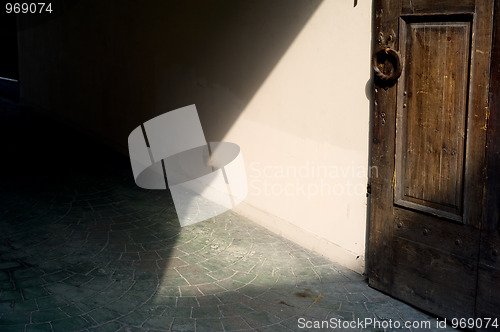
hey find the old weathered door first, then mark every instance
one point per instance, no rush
(429, 176)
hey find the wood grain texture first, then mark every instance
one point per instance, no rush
(430, 157)
(432, 231)
(433, 6)
(488, 292)
(380, 247)
(427, 274)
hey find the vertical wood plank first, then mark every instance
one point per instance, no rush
(475, 170)
(488, 293)
(381, 227)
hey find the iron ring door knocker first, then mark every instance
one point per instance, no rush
(385, 56)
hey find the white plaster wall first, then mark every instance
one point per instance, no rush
(304, 136)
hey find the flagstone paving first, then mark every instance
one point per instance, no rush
(83, 249)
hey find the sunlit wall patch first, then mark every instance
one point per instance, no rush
(205, 179)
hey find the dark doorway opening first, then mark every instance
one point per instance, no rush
(9, 68)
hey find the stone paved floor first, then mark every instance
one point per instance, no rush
(83, 248)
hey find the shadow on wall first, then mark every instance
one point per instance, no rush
(133, 60)
(235, 47)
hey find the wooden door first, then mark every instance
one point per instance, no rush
(431, 240)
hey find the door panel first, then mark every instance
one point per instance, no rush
(428, 217)
(431, 124)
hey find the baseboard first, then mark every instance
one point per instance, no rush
(302, 237)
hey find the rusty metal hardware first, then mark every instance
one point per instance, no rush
(386, 64)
